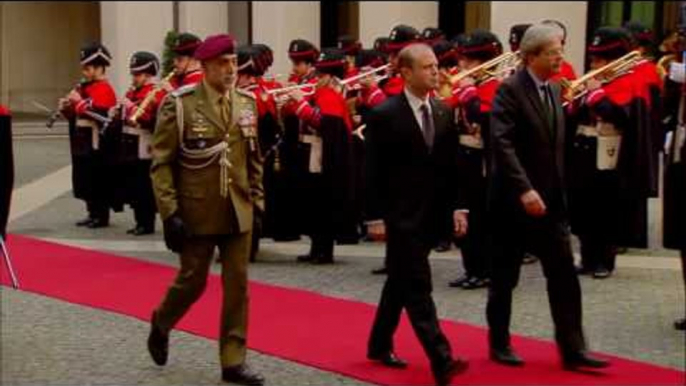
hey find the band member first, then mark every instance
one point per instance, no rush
(411, 141)
(139, 123)
(350, 48)
(287, 223)
(253, 62)
(87, 108)
(674, 204)
(328, 184)
(187, 69)
(566, 71)
(6, 169)
(370, 96)
(527, 204)
(610, 173)
(446, 54)
(303, 55)
(207, 177)
(400, 37)
(647, 73)
(516, 33)
(473, 101)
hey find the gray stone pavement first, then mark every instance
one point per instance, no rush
(47, 341)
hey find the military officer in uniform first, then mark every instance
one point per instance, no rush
(207, 177)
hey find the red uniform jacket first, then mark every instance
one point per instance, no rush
(566, 72)
(193, 77)
(98, 97)
(148, 118)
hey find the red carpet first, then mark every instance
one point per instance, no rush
(296, 325)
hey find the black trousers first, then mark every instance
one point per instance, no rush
(549, 239)
(597, 252)
(408, 286)
(321, 217)
(143, 200)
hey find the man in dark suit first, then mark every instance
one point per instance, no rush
(527, 202)
(411, 145)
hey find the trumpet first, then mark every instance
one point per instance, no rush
(495, 67)
(577, 88)
(140, 109)
(280, 95)
(365, 74)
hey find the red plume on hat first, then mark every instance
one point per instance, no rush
(214, 46)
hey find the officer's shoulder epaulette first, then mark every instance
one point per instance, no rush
(245, 93)
(184, 90)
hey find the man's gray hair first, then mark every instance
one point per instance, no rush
(537, 37)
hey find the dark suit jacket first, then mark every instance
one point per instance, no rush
(526, 153)
(408, 186)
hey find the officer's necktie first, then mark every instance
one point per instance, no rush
(225, 111)
(427, 126)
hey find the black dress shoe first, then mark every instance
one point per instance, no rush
(158, 343)
(506, 356)
(380, 271)
(680, 324)
(242, 375)
(583, 270)
(141, 230)
(601, 273)
(451, 370)
(389, 359)
(529, 259)
(475, 282)
(305, 258)
(98, 223)
(458, 282)
(84, 222)
(581, 361)
(443, 247)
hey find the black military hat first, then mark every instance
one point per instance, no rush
(265, 56)
(516, 34)
(331, 61)
(642, 35)
(144, 62)
(349, 45)
(402, 35)
(185, 44)
(431, 35)
(96, 54)
(610, 42)
(302, 50)
(248, 60)
(481, 44)
(446, 53)
(559, 25)
(370, 58)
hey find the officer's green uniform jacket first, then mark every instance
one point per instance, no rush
(210, 175)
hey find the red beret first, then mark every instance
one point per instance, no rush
(214, 46)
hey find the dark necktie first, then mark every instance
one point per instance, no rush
(427, 126)
(548, 105)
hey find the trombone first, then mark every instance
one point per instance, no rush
(576, 89)
(495, 67)
(281, 94)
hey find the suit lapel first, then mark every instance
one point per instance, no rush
(559, 113)
(204, 107)
(438, 116)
